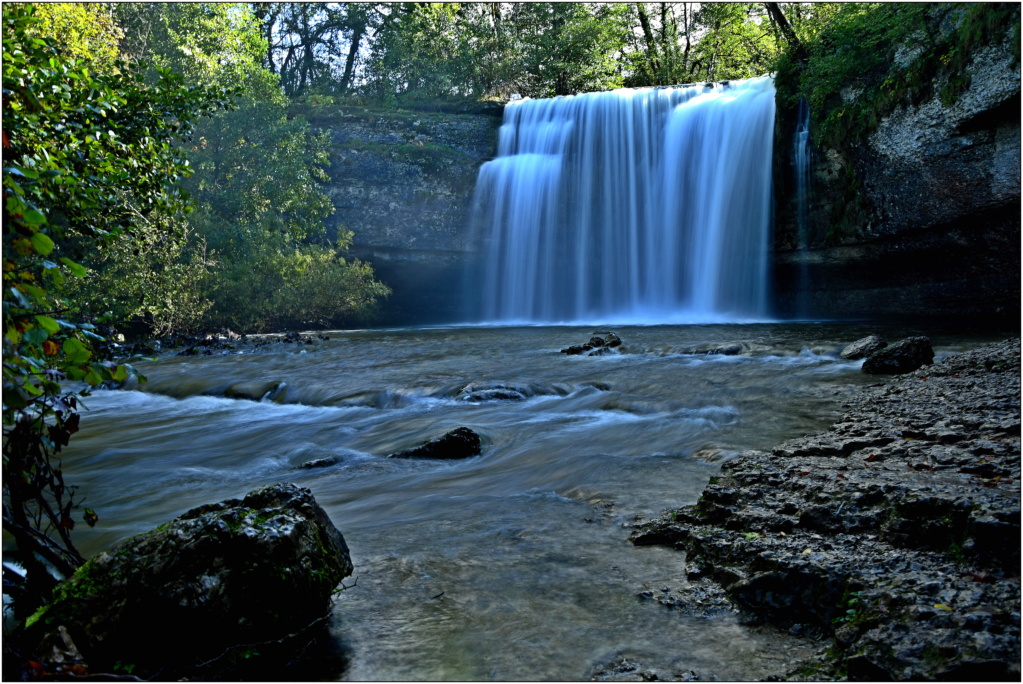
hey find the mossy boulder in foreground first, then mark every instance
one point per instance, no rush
(240, 572)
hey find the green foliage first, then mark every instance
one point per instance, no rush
(86, 33)
(850, 608)
(865, 59)
(419, 54)
(565, 48)
(155, 279)
(86, 156)
(260, 207)
(739, 42)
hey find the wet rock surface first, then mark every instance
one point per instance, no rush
(862, 348)
(894, 536)
(459, 443)
(219, 584)
(600, 343)
(904, 356)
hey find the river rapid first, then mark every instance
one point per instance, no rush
(514, 565)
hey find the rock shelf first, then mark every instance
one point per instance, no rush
(893, 536)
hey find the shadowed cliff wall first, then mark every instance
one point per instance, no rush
(920, 218)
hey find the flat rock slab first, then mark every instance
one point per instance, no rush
(863, 347)
(243, 571)
(894, 535)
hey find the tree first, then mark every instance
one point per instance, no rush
(315, 45)
(260, 206)
(84, 32)
(86, 156)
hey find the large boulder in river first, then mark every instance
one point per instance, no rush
(863, 347)
(904, 356)
(241, 572)
(459, 443)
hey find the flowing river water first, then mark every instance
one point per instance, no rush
(514, 565)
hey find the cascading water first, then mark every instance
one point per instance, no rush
(801, 164)
(650, 204)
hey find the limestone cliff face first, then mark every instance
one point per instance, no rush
(403, 183)
(922, 217)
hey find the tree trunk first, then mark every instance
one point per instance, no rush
(774, 10)
(357, 32)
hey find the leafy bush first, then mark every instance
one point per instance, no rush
(86, 157)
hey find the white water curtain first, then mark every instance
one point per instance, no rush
(645, 205)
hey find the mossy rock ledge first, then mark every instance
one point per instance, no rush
(238, 573)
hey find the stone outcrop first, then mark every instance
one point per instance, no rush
(893, 536)
(224, 576)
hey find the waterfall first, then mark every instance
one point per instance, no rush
(801, 164)
(645, 205)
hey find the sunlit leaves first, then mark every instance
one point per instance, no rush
(86, 156)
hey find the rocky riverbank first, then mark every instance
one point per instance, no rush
(893, 537)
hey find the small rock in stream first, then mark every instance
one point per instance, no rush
(321, 462)
(459, 443)
(600, 343)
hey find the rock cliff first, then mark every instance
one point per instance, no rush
(403, 182)
(921, 217)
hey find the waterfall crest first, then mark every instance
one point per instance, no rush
(642, 205)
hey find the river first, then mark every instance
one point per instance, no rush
(514, 565)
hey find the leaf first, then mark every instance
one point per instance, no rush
(50, 348)
(36, 335)
(41, 241)
(75, 351)
(34, 217)
(942, 606)
(48, 323)
(77, 269)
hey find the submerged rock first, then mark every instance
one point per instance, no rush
(904, 356)
(459, 443)
(237, 573)
(476, 393)
(726, 350)
(325, 462)
(863, 347)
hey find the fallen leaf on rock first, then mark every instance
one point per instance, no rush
(942, 606)
(807, 550)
